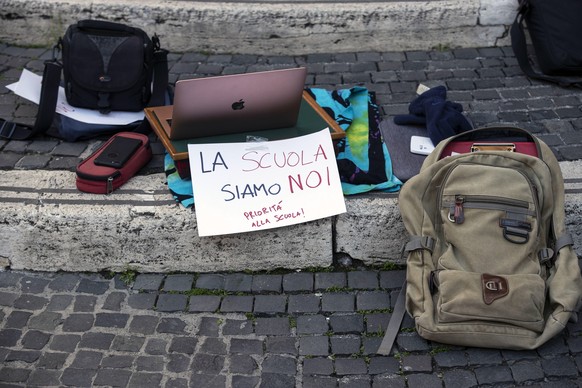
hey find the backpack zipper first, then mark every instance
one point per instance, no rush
(461, 202)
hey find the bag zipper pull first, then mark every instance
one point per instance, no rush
(456, 214)
(110, 181)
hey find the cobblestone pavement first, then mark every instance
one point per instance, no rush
(305, 329)
(296, 329)
(486, 81)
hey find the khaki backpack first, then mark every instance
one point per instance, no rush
(489, 262)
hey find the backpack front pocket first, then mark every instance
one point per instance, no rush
(509, 299)
(489, 217)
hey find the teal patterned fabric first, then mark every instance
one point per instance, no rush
(363, 159)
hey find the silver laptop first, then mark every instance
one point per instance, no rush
(236, 103)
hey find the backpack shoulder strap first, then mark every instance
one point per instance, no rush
(394, 325)
(46, 108)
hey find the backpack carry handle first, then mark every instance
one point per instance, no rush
(104, 25)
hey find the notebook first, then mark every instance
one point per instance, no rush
(405, 164)
(233, 104)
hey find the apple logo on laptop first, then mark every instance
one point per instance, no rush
(238, 105)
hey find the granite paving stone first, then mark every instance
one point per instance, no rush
(246, 346)
(178, 363)
(377, 322)
(213, 346)
(143, 324)
(267, 283)
(234, 327)
(345, 345)
(117, 320)
(350, 366)
(303, 303)
(318, 366)
(423, 380)
(459, 378)
(237, 303)
(417, 363)
(272, 326)
(84, 303)
(64, 342)
(363, 280)
(279, 364)
(150, 363)
(312, 324)
(140, 380)
(52, 360)
(281, 345)
(270, 304)
(493, 375)
(78, 322)
(127, 343)
(148, 282)
(319, 382)
(372, 300)
(298, 282)
(346, 323)
(17, 319)
(34, 339)
(156, 346)
(330, 280)
(238, 282)
(114, 301)
(211, 282)
(59, 302)
(171, 302)
(96, 340)
(314, 345)
(142, 301)
(185, 345)
(209, 326)
(181, 282)
(33, 285)
(92, 287)
(337, 302)
(204, 303)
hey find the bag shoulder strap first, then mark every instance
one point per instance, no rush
(518, 43)
(46, 107)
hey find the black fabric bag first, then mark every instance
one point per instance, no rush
(107, 67)
(555, 31)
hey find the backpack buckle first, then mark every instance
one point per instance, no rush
(545, 255)
(416, 243)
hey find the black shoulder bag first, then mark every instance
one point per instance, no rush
(555, 31)
(106, 66)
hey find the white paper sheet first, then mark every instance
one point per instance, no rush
(243, 187)
(29, 85)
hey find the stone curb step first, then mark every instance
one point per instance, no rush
(47, 225)
(274, 27)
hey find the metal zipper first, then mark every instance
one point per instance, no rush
(461, 202)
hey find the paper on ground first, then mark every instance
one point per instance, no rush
(29, 85)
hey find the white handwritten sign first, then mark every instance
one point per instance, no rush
(242, 187)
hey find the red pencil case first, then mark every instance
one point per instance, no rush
(114, 163)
